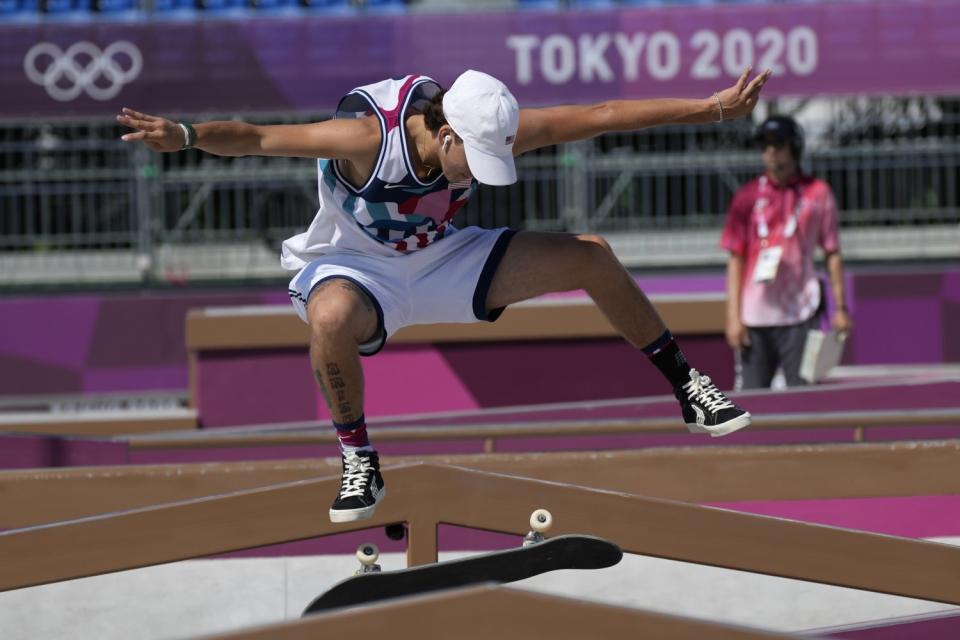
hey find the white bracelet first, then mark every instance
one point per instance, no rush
(186, 134)
(719, 104)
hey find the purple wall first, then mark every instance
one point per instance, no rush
(36, 452)
(906, 317)
(250, 387)
(136, 342)
(103, 342)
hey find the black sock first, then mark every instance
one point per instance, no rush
(667, 357)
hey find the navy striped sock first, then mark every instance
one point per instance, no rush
(667, 357)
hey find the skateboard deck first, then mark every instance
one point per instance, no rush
(562, 552)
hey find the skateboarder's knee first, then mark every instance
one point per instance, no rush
(338, 311)
(595, 243)
(593, 258)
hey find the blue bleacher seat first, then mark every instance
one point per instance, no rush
(540, 4)
(384, 6)
(278, 7)
(330, 7)
(174, 9)
(668, 3)
(592, 4)
(119, 10)
(72, 10)
(225, 8)
(19, 11)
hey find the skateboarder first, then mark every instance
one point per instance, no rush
(396, 163)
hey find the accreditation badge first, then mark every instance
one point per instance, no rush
(768, 261)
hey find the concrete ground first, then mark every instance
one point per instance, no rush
(197, 597)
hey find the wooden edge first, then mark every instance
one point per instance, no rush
(163, 430)
(425, 495)
(100, 426)
(324, 435)
(193, 392)
(563, 318)
(481, 613)
(694, 474)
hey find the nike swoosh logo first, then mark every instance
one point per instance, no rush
(397, 186)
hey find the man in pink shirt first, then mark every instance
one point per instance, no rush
(773, 227)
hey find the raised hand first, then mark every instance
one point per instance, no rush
(157, 133)
(740, 99)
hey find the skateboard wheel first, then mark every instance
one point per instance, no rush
(541, 520)
(395, 531)
(367, 554)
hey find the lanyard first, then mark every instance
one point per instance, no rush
(792, 222)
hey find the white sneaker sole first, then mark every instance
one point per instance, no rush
(352, 515)
(726, 428)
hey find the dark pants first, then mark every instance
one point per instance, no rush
(773, 347)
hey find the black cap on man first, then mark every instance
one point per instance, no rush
(779, 130)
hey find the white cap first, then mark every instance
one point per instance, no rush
(482, 111)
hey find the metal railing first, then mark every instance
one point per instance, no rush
(71, 193)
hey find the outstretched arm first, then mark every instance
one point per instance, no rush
(350, 139)
(553, 125)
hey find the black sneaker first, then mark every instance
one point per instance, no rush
(361, 487)
(706, 409)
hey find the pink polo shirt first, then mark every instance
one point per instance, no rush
(797, 216)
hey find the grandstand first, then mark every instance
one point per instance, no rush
(166, 459)
(134, 10)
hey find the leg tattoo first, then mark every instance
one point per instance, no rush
(337, 393)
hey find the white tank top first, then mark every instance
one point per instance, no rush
(394, 212)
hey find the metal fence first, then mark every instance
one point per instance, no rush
(76, 204)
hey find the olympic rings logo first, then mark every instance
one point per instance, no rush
(83, 67)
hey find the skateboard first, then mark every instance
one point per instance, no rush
(537, 555)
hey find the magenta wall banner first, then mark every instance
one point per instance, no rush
(305, 64)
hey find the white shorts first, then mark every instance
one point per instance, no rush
(445, 282)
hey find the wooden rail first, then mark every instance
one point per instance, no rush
(491, 433)
(482, 613)
(692, 474)
(427, 495)
(99, 423)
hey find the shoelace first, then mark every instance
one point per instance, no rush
(355, 472)
(702, 390)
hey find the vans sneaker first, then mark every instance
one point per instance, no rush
(706, 409)
(361, 487)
